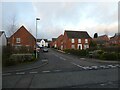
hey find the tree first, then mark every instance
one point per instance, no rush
(95, 35)
(12, 25)
(93, 44)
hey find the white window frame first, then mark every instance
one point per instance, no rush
(86, 40)
(72, 40)
(80, 46)
(18, 40)
(79, 40)
(86, 46)
(72, 46)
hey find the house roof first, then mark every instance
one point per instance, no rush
(42, 39)
(1, 32)
(60, 36)
(24, 29)
(77, 34)
(54, 39)
(116, 35)
(103, 38)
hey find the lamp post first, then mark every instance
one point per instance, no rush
(36, 35)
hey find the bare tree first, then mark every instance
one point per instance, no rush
(12, 25)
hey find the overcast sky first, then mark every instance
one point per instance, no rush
(55, 17)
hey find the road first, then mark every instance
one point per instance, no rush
(65, 71)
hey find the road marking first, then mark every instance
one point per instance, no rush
(45, 71)
(102, 66)
(117, 65)
(102, 84)
(112, 66)
(82, 58)
(62, 58)
(45, 60)
(20, 73)
(33, 72)
(57, 70)
(95, 67)
(76, 64)
(79, 66)
(6, 74)
(86, 67)
(73, 63)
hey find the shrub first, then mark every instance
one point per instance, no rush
(109, 56)
(19, 58)
(76, 52)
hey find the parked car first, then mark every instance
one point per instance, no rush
(45, 49)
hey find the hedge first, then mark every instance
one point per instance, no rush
(77, 52)
(110, 56)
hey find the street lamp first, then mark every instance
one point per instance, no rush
(36, 35)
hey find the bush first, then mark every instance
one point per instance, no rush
(112, 49)
(109, 56)
(77, 52)
(19, 58)
(8, 57)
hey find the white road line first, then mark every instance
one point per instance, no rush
(82, 58)
(20, 73)
(95, 67)
(79, 66)
(102, 84)
(103, 66)
(57, 70)
(112, 66)
(45, 60)
(76, 64)
(6, 74)
(117, 65)
(62, 58)
(86, 68)
(45, 71)
(33, 72)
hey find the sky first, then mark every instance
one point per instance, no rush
(55, 17)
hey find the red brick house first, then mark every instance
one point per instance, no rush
(76, 40)
(60, 42)
(53, 43)
(22, 37)
(102, 40)
(115, 40)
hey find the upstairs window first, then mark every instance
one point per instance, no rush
(73, 46)
(72, 40)
(18, 40)
(79, 40)
(86, 40)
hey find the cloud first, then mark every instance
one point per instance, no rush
(55, 17)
